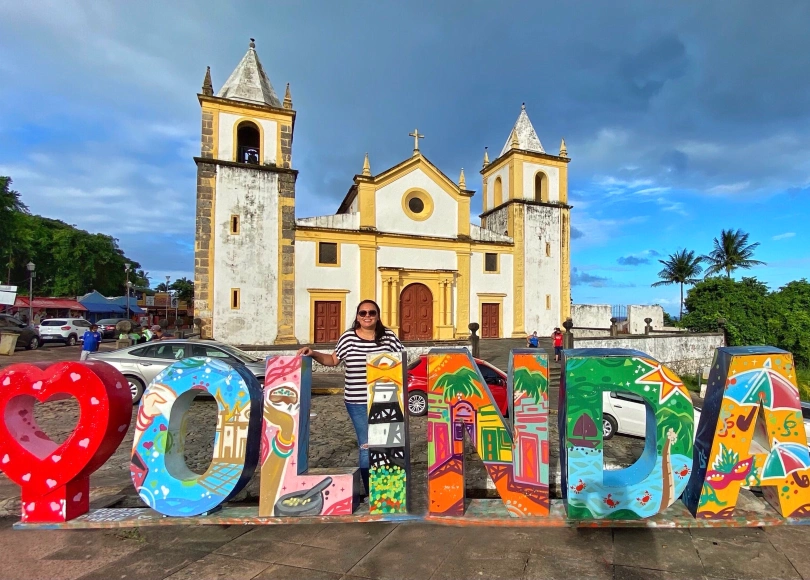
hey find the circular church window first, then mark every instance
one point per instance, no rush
(417, 204)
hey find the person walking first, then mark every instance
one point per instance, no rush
(367, 336)
(90, 341)
(557, 337)
(533, 341)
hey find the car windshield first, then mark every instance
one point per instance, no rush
(53, 322)
(238, 354)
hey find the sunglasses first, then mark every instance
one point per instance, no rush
(367, 313)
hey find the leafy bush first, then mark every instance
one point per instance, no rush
(753, 315)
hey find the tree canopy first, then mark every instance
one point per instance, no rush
(680, 268)
(68, 261)
(753, 315)
(730, 252)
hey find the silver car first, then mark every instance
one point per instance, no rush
(141, 363)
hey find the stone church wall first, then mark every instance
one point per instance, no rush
(542, 271)
(247, 261)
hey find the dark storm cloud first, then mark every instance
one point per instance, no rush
(709, 97)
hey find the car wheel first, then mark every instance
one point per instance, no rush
(417, 403)
(33, 344)
(71, 340)
(136, 388)
(609, 427)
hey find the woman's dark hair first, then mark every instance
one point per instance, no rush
(379, 329)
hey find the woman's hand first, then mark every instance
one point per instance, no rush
(306, 351)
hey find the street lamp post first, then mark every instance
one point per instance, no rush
(31, 267)
(168, 300)
(126, 271)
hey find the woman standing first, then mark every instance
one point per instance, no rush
(366, 336)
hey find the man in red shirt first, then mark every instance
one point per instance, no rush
(557, 337)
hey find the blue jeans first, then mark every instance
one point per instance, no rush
(359, 416)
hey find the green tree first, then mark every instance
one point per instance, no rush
(743, 304)
(162, 287)
(730, 252)
(789, 319)
(12, 239)
(532, 383)
(680, 268)
(184, 289)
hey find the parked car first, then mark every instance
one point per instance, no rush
(67, 330)
(27, 335)
(417, 385)
(626, 413)
(107, 326)
(141, 363)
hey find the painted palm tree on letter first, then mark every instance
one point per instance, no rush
(730, 252)
(464, 382)
(680, 268)
(531, 383)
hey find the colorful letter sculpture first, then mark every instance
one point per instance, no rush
(657, 479)
(528, 408)
(158, 466)
(734, 449)
(55, 479)
(458, 401)
(288, 488)
(388, 441)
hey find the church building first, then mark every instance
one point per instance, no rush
(401, 236)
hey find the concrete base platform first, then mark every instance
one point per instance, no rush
(752, 512)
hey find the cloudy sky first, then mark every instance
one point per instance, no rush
(680, 121)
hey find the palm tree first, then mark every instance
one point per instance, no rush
(681, 268)
(730, 252)
(531, 383)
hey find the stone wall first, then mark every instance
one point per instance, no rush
(636, 315)
(686, 354)
(591, 315)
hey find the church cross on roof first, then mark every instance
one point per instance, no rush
(249, 83)
(527, 139)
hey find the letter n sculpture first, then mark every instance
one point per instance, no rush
(389, 451)
(751, 433)
(288, 487)
(459, 402)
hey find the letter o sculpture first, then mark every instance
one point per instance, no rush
(158, 468)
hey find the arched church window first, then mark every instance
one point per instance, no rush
(248, 143)
(498, 192)
(540, 187)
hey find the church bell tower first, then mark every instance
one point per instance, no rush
(526, 198)
(244, 263)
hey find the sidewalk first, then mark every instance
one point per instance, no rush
(404, 551)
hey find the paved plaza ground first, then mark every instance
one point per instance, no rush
(372, 550)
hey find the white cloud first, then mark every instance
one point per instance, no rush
(730, 187)
(784, 236)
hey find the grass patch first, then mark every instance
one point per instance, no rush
(803, 378)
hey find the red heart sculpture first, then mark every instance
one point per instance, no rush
(55, 479)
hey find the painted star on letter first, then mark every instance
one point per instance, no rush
(669, 382)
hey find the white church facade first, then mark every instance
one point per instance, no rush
(401, 237)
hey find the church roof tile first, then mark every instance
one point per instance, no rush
(249, 83)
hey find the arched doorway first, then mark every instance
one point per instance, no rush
(416, 313)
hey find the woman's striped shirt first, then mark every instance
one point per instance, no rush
(352, 350)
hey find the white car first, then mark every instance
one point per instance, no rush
(626, 413)
(67, 330)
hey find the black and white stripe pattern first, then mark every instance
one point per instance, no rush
(352, 350)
